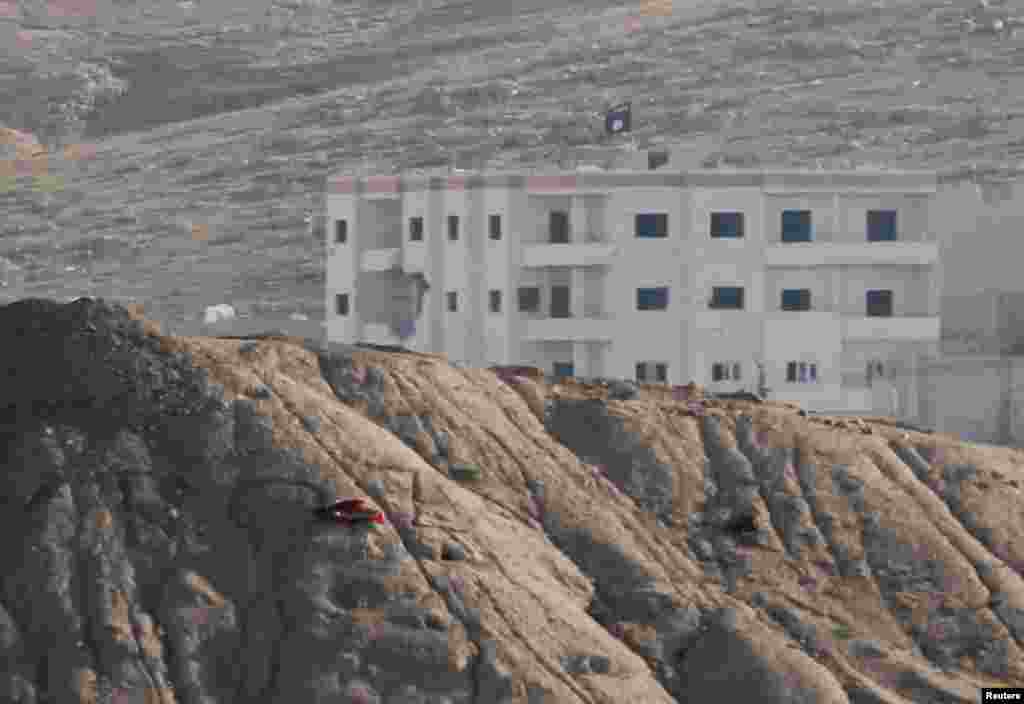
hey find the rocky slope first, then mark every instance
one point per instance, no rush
(577, 542)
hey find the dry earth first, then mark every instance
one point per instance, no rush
(617, 544)
(208, 127)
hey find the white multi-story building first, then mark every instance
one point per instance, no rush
(825, 282)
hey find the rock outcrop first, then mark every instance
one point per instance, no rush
(578, 541)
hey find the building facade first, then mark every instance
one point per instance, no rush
(823, 285)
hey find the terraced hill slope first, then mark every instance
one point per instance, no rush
(545, 542)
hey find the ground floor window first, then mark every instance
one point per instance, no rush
(652, 371)
(801, 372)
(726, 371)
(564, 369)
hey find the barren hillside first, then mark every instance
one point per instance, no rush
(209, 126)
(579, 542)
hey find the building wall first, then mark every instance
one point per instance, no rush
(982, 236)
(912, 223)
(688, 337)
(980, 398)
(646, 263)
(342, 266)
(824, 220)
(911, 288)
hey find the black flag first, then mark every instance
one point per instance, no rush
(618, 119)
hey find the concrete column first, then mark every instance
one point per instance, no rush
(837, 291)
(838, 224)
(362, 222)
(934, 290)
(581, 359)
(577, 219)
(577, 293)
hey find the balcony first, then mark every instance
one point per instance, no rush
(897, 328)
(807, 254)
(581, 254)
(381, 259)
(593, 329)
(712, 321)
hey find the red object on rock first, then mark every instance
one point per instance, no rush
(351, 511)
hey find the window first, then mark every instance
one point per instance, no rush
(724, 371)
(563, 369)
(529, 299)
(558, 227)
(560, 302)
(874, 369)
(494, 227)
(881, 226)
(652, 298)
(341, 304)
(341, 231)
(453, 301)
(495, 301)
(652, 224)
(643, 370)
(453, 228)
(796, 226)
(416, 229)
(801, 372)
(879, 303)
(727, 297)
(656, 159)
(796, 299)
(727, 225)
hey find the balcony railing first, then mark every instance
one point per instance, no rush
(571, 254)
(590, 329)
(803, 254)
(890, 328)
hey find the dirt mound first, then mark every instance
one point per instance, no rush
(569, 541)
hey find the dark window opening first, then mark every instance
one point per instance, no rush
(796, 226)
(341, 304)
(563, 369)
(652, 298)
(652, 225)
(495, 302)
(881, 226)
(661, 372)
(416, 229)
(453, 228)
(791, 372)
(727, 225)
(529, 299)
(560, 302)
(558, 227)
(494, 227)
(341, 231)
(453, 301)
(727, 297)
(656, 159)
(879, 303)
(796, 299)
